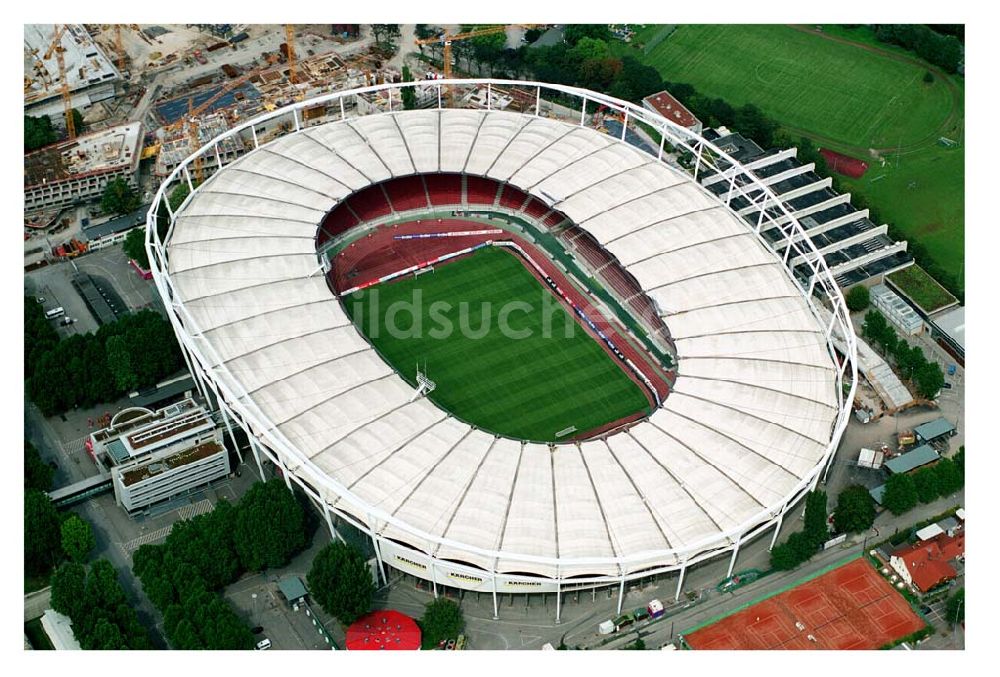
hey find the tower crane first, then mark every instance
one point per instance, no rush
(290, 42)
(57, 48)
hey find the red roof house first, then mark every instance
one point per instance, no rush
(672, 109)
(926, 564)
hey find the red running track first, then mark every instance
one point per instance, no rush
(378, 254)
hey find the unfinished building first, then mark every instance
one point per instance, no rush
(91, 75)
(75, 171)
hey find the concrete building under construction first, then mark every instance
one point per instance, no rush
(78, 170)
(90, 73)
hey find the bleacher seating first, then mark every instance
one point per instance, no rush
(444, 189)
(369, 203)
(406, 193)
(338, 221)
(535, 209)
(512, 198)
(480, 191)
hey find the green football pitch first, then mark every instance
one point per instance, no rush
(840, 91)
(531, 384)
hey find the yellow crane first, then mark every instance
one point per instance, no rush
(447, 38)
(290, 42)
(58, 49)
(120, 49)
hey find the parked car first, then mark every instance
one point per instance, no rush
(264, 644)
(257, 630)
(947, 386)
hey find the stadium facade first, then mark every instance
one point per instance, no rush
(760, 399)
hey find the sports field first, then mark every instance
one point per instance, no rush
(529, 383)
(850, 607)
(830, 88)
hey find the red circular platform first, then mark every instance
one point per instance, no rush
(385, 629)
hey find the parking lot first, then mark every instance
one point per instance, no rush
(109, 269)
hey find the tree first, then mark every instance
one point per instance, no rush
(37, 473)
(442, 620)
(38, 132)
(900, 494)
(68, 584)
(341, 582)
(42, 546)
(269, 527)
(929, 380)
(855, 511)
(119, 359)
(949, 477)
(135, 247)
(927, 485)
(119, 197)
(797, 549)
(385, 34)
(77, 121)
(573, 33)
(77, 538)
(815, 518)
(955, 608)
(858, 298)
(928, 77)
(409, 94)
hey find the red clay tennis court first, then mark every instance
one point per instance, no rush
(850, 607)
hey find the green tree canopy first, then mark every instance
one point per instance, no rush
(386, 34)
(77, 538)
(955, 608)
(68, 584)
(77, 121)
(442, 620)
(409, 94)
(37, 473)
(926, 482)
(855, 511)
(42, 536)
(858, 298)
(119, 197)
(38, 132)
(815, 518)
(341, 582)
(574, 33)
(900, 494)
(929, 380)
(135, 247)
(270, 526)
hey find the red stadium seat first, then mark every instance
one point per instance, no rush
(370, 203)
(406, 193)
(444, 189)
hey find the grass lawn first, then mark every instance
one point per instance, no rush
(921, 288)
(835, 90)
(526, 388)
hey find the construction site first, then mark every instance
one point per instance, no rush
(131, 101)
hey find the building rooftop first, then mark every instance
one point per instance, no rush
(102, 151)
(912, 460)
(59, 629)
(86, 63)
(181, 458)
(934, 429)
(952, 323)
(928, 561)
(672, 109)
(292, 588)
(117, 225)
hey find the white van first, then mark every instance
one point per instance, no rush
(54, 313)
(264, 644)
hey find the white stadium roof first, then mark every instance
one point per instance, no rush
(751, 415)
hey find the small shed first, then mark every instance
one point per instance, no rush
(919, 457)
(877, 493)
(932, 431)
(292, 589)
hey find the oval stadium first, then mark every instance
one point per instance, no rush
(643, 381)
